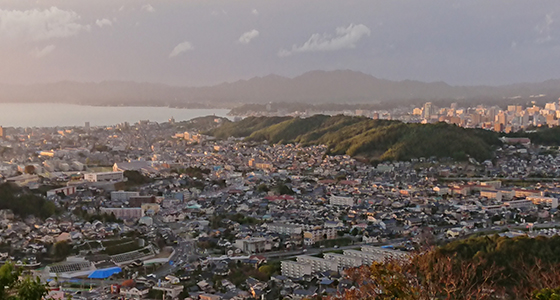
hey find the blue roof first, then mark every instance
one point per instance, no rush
(104, 273)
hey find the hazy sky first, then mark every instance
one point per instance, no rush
(200, 42)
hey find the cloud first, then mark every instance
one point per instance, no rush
(543, 29)
(182, 47)
(345, 38)
(148, 7)
(216, 13)
(103, 22)
(248, 36)
(255, 12)
(38, 25)
(38, 53)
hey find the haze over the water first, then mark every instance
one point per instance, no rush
(204, 42)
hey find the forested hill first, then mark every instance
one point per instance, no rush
(363, 137)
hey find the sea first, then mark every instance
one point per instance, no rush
(66, 115)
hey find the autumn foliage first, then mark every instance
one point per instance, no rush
(435, 274)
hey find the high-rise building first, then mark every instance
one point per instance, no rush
(1, 131)
(429, 110)
(86, 126)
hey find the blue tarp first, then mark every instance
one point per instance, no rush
(104, 273)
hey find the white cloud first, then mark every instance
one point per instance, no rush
(344, 38)
(255, 11)
(543, 29)
(103, 22)
(182, 47)
(216, 13)
(148, 8)
(40, 25)
(248, 36)
(38, 53)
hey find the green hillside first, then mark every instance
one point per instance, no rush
(363, 137)
(245, 127)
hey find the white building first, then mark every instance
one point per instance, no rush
(344, 261)
(104, 176)
(283, 228)
(548, 201)
(318, 264)
(295, 269)
(123, 195)
(133, 213)
(341, 200)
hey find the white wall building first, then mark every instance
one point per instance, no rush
(341, 200)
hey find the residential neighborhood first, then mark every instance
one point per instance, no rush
(151, 211)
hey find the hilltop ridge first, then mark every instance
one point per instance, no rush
(367, 138)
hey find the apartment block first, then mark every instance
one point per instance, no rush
(341, 200)
(318, 264)
(295, 269)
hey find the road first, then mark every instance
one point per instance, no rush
(313, 251)
(183, 250)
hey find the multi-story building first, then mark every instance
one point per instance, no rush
(295, 269)
(341, 200)
(344, 261)
(518, 203)
(123, 195)
(104, 176)
(548, 201)
(129, 213)
(283, 228)
(370, 254)
(252, 245)
(311, 237)
(318, 264)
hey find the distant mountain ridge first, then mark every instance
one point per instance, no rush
(311, 87)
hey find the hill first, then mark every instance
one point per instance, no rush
(340, 86)
(367, 138)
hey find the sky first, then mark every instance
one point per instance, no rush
(206, 42)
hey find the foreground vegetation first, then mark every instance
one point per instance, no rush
(477, 268)
(367, 138)
(13, 286)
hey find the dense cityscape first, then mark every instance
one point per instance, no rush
(152, 210)
(279, 150)
(506, 118)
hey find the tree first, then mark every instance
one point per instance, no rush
(547, 294)
(62, 249)
(29, 169)
(14, 288)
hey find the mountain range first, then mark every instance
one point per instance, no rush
(315, 87)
